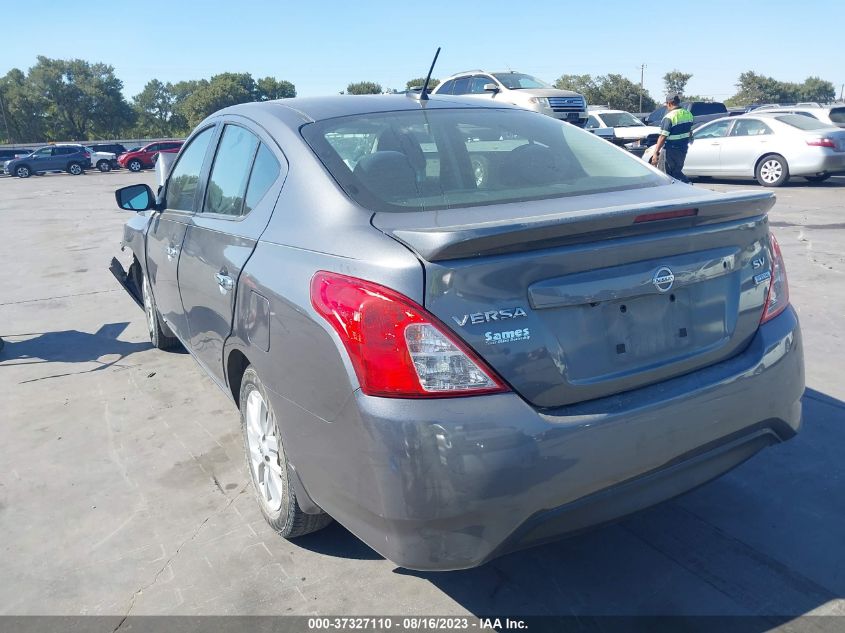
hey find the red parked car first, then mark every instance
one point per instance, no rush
(145, 157)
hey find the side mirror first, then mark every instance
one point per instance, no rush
(491, 88)
(135, 198)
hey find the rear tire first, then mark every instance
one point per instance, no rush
(160, 335)
(772, 171)
(104, 165)
(267, 463)
(817, 178)
(75, 169)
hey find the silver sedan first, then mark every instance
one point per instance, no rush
(768, 146)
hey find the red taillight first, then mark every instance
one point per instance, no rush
(397, 348)
(822, 142)
(778, 296)
(86, 154)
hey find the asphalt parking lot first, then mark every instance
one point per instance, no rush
(123, 487)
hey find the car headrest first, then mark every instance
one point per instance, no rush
(388, 174)
(530, 164)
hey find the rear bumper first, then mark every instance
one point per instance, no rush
(450, 484)
(829, 163)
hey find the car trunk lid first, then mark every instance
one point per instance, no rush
(577, 298)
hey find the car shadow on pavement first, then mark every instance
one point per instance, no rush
(764, 540)
(70, 346)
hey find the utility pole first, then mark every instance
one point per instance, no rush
(642, 77)
(842, 92)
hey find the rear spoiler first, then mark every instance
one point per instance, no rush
(502, 229)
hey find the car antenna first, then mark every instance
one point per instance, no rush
(423, 95)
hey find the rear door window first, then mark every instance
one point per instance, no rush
(230, 172)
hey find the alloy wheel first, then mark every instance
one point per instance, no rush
(264, 451)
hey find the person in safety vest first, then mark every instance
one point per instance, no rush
(675, 132)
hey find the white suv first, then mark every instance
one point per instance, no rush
(518, 89)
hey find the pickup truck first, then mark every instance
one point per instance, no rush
(702, 112)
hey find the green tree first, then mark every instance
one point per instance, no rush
(675, 82)
(81, 100)
(221, 91)
(181, 91)
(754, 88)
(614, 91)
(582, 84)
(363, 88)
(271, 88)
(21, 110)
(817, 89)
(154, 107)
(620, 93)
(419, 81)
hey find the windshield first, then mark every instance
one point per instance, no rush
(620, 119)
(802, 122)
(837, 115)
(517, 81)
(444, 159)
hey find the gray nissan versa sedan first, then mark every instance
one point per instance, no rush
(454, 369)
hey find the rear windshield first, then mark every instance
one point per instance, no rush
(802, 122)
(837, 115)
(444, 159)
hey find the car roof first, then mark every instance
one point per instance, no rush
(607, 111)
(311, 109)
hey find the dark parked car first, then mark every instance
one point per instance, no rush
(145, 157)
(74, 159)
(8, 153)
(454, 369)
(115, 148)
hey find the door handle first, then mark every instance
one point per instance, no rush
(172, 252)
(715, 143)
(225, 282)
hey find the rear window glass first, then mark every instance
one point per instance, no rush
(837, 115)
(704, 108)
(802, 122)
(443, 159)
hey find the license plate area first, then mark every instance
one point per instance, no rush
(628, 336)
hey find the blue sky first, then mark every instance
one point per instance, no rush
(322, 46)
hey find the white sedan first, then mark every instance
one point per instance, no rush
(768, 146)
